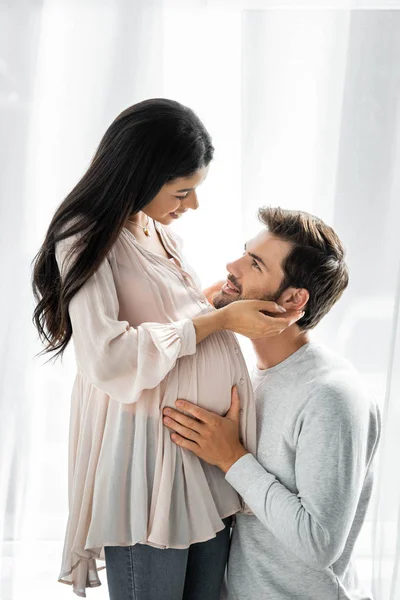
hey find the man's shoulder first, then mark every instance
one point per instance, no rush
(335, 384)
(323, 356)
(328, 366)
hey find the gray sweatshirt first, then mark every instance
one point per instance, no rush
(309, 485)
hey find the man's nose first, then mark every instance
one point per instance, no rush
(234, 268)
(191, 201)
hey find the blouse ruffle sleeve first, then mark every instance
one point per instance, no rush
(119, 359)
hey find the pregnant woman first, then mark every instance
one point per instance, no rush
(111, 276)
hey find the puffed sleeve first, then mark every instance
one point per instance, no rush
(119, 359)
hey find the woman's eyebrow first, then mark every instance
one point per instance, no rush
(186, 190)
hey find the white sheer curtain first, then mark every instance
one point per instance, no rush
(303, 107)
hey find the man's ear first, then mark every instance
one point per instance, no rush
(294, 298)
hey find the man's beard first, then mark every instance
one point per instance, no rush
(222, 299)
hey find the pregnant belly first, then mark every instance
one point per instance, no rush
(206, 378)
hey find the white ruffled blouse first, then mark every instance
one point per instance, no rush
(135, 347)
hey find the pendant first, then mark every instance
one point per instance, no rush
(146, 231)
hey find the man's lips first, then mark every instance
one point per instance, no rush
(229, 288)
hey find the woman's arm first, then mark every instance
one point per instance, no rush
(122, 360)
(245, 317)
(118, 359)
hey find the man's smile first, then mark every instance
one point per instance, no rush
(229, 288)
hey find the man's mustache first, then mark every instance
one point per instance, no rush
(234, 281)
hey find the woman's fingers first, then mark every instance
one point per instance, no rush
(267, 306)
(278, 324)
(246, 318)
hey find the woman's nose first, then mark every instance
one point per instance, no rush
(191, 201)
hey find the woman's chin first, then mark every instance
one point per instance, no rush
(169, 218)
(166, 219)
(163, 219)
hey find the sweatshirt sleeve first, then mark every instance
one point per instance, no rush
(337, 441)
(119, 359)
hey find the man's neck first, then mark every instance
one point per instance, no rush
(271, 351)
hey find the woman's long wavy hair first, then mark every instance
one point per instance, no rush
(148, 145)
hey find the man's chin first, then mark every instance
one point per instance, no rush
(221, 299)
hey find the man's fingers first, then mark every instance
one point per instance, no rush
(233, 412)
(184, 443)
(184, 420)
(185, 432)
(195, 411)
(235, 396)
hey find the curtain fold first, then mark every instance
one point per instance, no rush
(303, 107)
(386, 516)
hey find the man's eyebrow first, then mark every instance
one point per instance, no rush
(257, 258)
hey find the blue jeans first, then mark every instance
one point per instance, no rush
(142, 572)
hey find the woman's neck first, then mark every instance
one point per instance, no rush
(141, 219)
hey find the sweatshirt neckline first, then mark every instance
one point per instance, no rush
(285, 363)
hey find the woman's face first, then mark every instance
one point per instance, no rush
(175, 198)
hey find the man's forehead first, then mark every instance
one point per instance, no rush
(269, 247)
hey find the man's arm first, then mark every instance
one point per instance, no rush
(337, 441)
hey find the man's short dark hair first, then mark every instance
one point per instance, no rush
(315, 262)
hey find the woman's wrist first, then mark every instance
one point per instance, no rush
(223, 317)
(207, 324)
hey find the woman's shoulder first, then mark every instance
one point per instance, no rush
(71, 242)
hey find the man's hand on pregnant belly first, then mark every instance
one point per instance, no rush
(212, 438)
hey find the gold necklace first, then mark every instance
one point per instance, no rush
(145, 228)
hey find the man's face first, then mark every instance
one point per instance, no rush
(258, 274)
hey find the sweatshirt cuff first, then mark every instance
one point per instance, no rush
(244, 475)
(187, 334)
